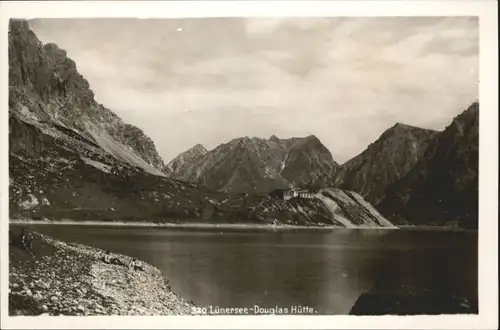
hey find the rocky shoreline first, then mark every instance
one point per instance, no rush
(71, 279)
(189, 225)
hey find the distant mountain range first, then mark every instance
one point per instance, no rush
(392, 172)
(71, 158)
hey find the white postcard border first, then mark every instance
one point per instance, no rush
(488, 155)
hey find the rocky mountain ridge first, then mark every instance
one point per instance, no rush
(188, 157)
(256, 165)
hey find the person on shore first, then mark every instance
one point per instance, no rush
(26, 241)
(107, 258)
(134, 265)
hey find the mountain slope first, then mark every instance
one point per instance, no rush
(260, 165)
(44, 85)
(328, 206)
(384, 161)
(57, 173)
(442, 188)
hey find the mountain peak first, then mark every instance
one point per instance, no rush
(199, 148)
(187, 157)
(309, 141)
(401, 125)
(312, 137)
(368, 174)
(19, 24)
(274, 138)
(400, 129)
(471, 110)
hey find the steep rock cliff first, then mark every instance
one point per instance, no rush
(442, 188)
(45, 86)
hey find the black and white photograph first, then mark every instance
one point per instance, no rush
(244, 165)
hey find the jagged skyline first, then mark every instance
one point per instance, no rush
(345, 80)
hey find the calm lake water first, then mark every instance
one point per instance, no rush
(324, 269)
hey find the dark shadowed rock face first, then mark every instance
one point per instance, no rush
(384, 161)
(45, 86)
(411, 303)
(442, 188)
(259, 165)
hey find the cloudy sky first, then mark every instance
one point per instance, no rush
(345, 80)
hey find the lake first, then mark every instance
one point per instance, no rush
(323, 269)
